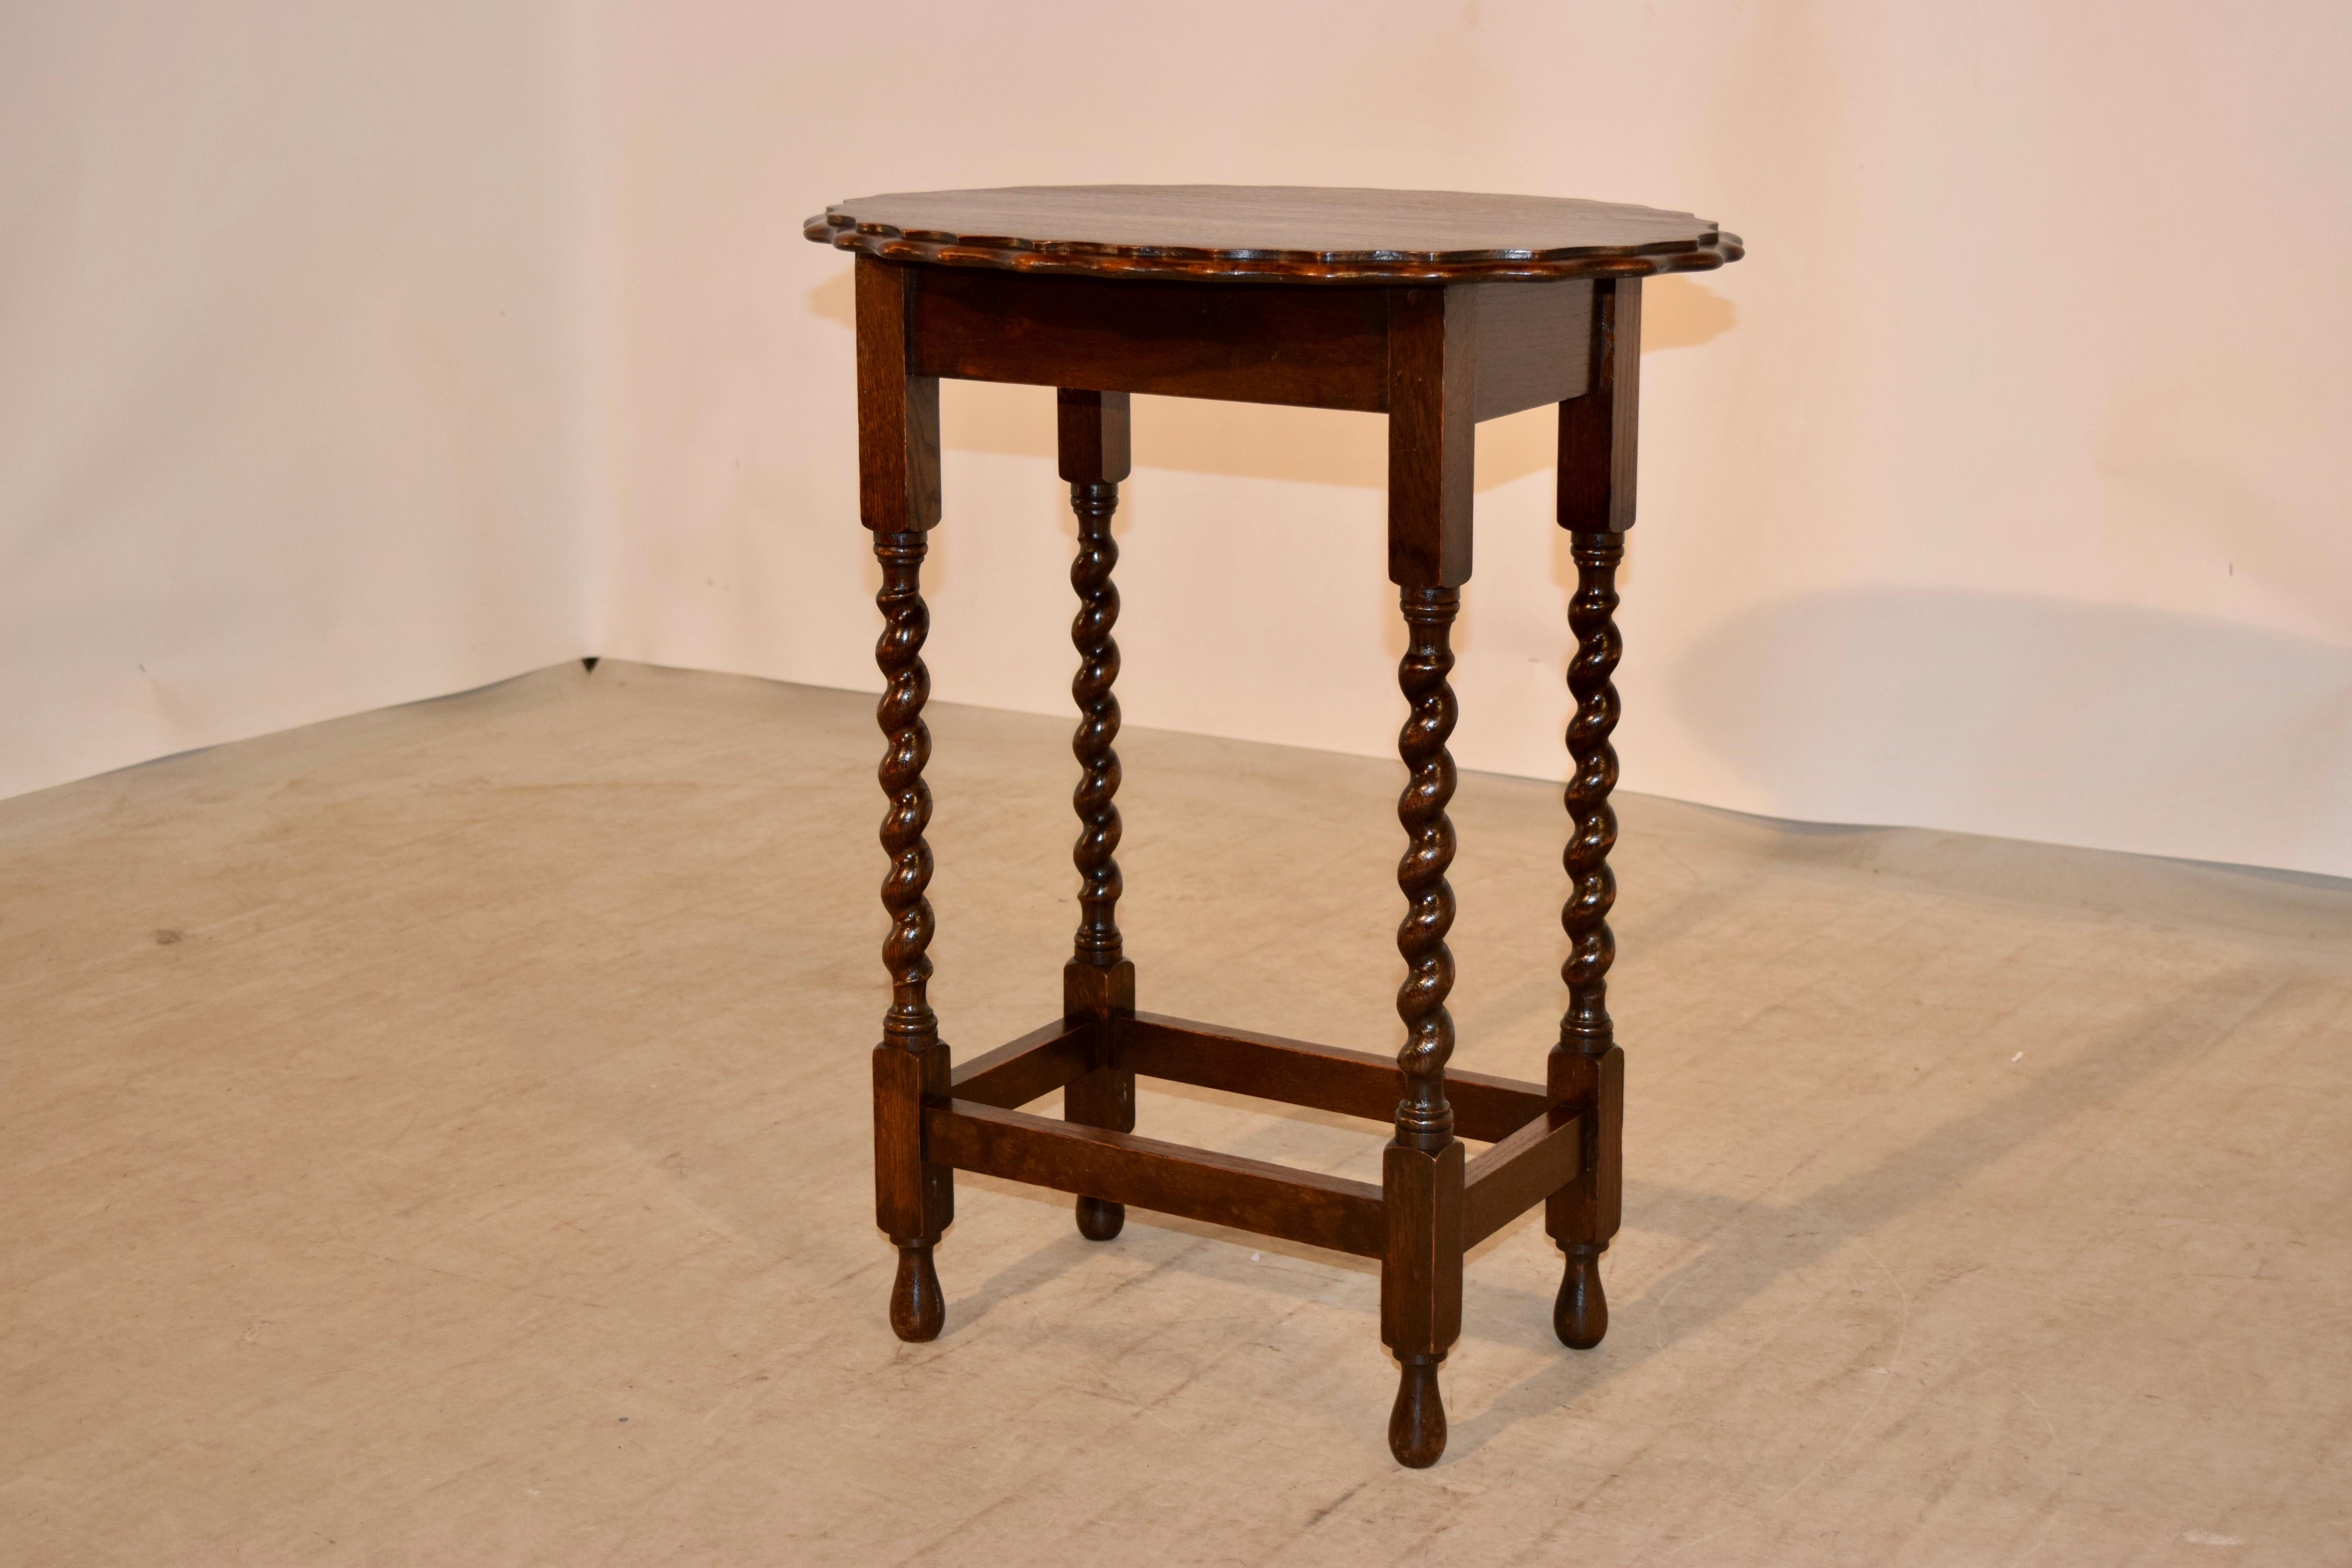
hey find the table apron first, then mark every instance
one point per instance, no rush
(1316, 347)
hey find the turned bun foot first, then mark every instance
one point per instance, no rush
(918, 1311)
(1100, 1219)
(1417, 1422)
(1580, 1316)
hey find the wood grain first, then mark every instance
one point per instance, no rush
(1532, 345)
(1420, 1289)
(1433, 415)
(1585, 1025)
(1463, 307)
(1092, 431)
(1424, 1119)
(914, 1198)
(1247, 343)
(1036, 1064)
(1168, 1178)
(898, 411)
(1521, 1172)
(1598, 430)
(1292, 232)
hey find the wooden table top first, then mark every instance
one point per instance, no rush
(1273, 234)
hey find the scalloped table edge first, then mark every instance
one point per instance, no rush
(885, 243)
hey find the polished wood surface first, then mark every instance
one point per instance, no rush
(1317, 348)
(1597, 434)
(1098, 983)
(1586, 1067)
(1423, 1168)
(1433, 411)
(1462, 309)
(1295, 233)
(1194, 1183)
(1035, 1064)
(1530, 344)
(914, 1194)
(1423, 1120)
(1521, 1171)
(1514, 346)
(898, 411)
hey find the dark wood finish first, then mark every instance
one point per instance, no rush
(1417, 1420)
(1168, 1178)
(1093, 424)
(1422, 1173)
(1095, 442)
(898, 412)
(1521, 1172)
(1586, 1067)
(1431, 403)
(1424, 1119)
(1103, 1094)
(1580, 1314)
(909, 1025)
(1325, 1077)
(1420, 1288)
(914, 1198)
(1034, 1065)
(1532, 345)
(1597, 430)
(1593, 822)
(1588, 1210)
(918, 1307)
(1102, 995)
(1296, 233)
(1247, 343)
(1098, 984)
(1456, 309)
(1541, 1145)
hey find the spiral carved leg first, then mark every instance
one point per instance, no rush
(1098, 981)
(1424, 1119)
(1417, 1420)
(1098, 940)
(914, 1200)
(1586, 1067)
(1592, 886)
(1422, 1169)
(909, 1025)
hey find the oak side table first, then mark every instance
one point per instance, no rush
(1439, 311)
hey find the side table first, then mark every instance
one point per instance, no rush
(1438, 309)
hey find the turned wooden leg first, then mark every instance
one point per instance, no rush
(1421, 1170)
(918, 1311)
(1586, 1067)
(1432, 432)
(1597, 447)
(898, 495)
(1100, 1219)
(915, 1199)
(1098, 981)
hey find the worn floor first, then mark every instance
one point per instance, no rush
(440, 1137)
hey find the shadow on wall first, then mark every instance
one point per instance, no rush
(1986, 711)
(1261, 441)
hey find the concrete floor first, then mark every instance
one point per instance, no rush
(440, 1137)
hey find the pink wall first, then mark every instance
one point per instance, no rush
(2002, 488)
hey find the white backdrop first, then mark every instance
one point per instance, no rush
(2004, 488)
(289, 356)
